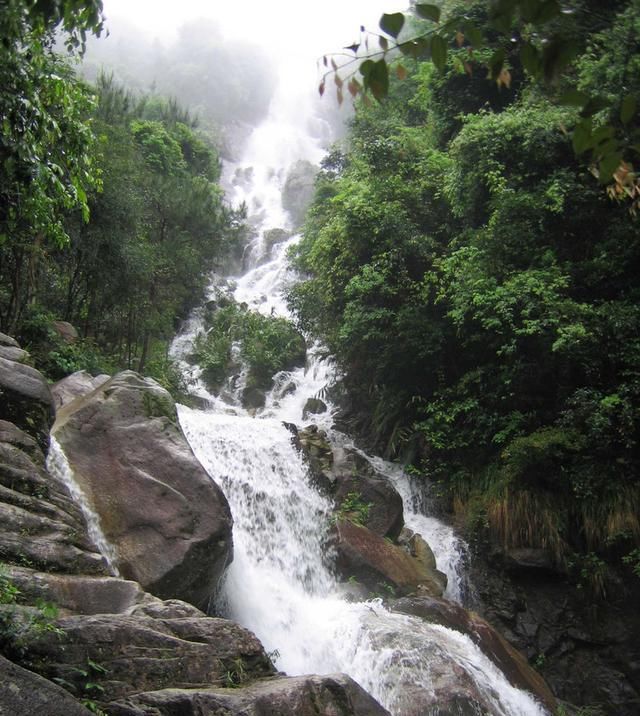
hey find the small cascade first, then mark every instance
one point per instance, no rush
(58, 466)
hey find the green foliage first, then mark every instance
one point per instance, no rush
(480, 290)
(9, 592)
(267, 344)
(354, 509)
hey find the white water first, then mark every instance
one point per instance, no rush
(280, 584)
(58, 466)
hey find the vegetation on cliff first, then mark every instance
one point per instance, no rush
(479, 287)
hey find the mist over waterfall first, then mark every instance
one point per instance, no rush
(281, 584)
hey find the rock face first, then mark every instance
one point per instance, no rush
(25, 398)
(75, 385)
(23, 692)
(40, 526)
(168, 522)
(379, 564)
(297, 192)
(510, 661)
(588, 651)
(354, 475)
(332, 695)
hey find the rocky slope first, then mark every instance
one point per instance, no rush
(76, 639)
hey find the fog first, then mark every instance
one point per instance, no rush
(287, 28)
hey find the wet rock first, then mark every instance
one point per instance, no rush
(332, 694)
(253, 398)
(354, 475)
(298, 189)
(313, 406)
(317, 450)
(510, 661)
(587, 650)
(378, 563)
(25, 399)
(40, 525)
(79, 383)
(23, 692)
(275, 236)
(168, 522)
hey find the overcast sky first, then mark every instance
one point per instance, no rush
(300, 28)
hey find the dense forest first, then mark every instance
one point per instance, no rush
(111, 214)
(479, 284)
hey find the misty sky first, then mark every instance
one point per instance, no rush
(300, 28)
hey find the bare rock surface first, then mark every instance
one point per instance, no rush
(25, 399)
(74, 385)
(168, 521)
(376, 563)
(331, 695)
(22, 692)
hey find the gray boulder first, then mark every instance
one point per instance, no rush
(25, 399)
(168, 522)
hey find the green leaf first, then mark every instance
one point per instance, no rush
(594, 105)
(496, 63)
(428, 12)
(581, 138)
(439, 52)
(392, 23)
(375, 77)
(530, 58)
(557, 54)
(628, 109)
(473, 34)
(607, 165)
(574, 98)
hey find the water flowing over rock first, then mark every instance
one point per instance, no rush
(39, 523)
(168, 522)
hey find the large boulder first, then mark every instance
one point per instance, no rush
(23, 692)
(168, 522)
(40, 525)
(333, 695)
(25, 398)
(379, 564)
(75, 385)
(511, 662)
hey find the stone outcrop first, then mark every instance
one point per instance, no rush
(587, 650)
(298, 189)
(354, 475)
(23, 692)
(510, 661)
(333, 695)
(25, 398)
(380, 564)
(169, 523)
(75, 385)
(40, 525)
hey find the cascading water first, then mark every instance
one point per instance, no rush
(280, 584)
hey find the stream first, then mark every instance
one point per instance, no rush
(280, 584)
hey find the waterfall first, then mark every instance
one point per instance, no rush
(58, 466)
(280, 584)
